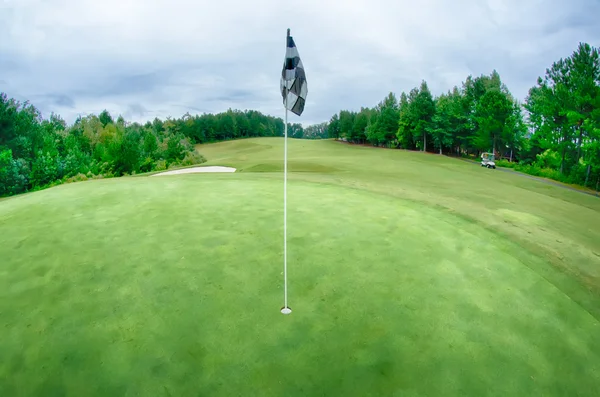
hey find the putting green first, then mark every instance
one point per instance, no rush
(172, 286)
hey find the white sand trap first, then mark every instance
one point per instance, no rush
(193, 170)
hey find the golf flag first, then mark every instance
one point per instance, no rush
(293, 79)
(293, 90)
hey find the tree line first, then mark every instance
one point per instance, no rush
(236, 124)
(481, 115)
(555, 133)
(37, 152)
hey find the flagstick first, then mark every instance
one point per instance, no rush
(285, 309)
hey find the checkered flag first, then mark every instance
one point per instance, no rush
(293, 79)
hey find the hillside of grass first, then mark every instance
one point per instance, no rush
(556, 224)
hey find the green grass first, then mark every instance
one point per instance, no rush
(410, 274)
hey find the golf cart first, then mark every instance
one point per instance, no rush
(487, 160)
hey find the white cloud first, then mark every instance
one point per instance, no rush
(165, 57)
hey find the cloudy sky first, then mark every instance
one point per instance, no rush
(149, 58)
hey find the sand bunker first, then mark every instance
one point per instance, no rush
(194, 170)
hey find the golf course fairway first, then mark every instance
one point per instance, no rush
(410, 274)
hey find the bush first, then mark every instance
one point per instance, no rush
(532, 169)
(548, 159)
(77, 178)
(146, 164)
(75, 162)
(552, 174)
(160, 165)
(176, 147)
(578, 173)
(44, 169)
(51, 184)
(192, 158)
(506, 163)
(105, 169)
(543, 172)
(174, 164)
(14, 174)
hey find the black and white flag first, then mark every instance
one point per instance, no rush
(293, 79)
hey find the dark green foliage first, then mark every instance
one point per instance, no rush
(14, 174)
(150, 144)
(361, 122)
(505, 163)
(461, 122)
(36, 153)
(45, 169)
(317, 131)
(347, 124)
(232, 124)
(560, 140)
(385, 122)
(177, 146)
(416, 122)
(382, 122)
(105, 118)
(564, 113)
(126, 151)
(334, 127)
(295, 131)
(441, 126)
(492, 114)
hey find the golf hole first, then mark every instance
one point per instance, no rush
(286, 310)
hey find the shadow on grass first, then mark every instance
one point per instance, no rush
(293, 166)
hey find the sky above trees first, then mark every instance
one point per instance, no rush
(159, 58)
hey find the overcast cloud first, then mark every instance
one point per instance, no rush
(149, 58)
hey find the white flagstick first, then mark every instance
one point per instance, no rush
(285, 309)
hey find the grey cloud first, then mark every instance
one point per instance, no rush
(236, 95)
(7, 63)
(582, 15)
(193, 108)
(208, 59)
(134, 83)
(62, 100)
(53, 102)
(136, 109)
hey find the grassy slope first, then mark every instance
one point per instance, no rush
(559, 225)
(406, 277)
